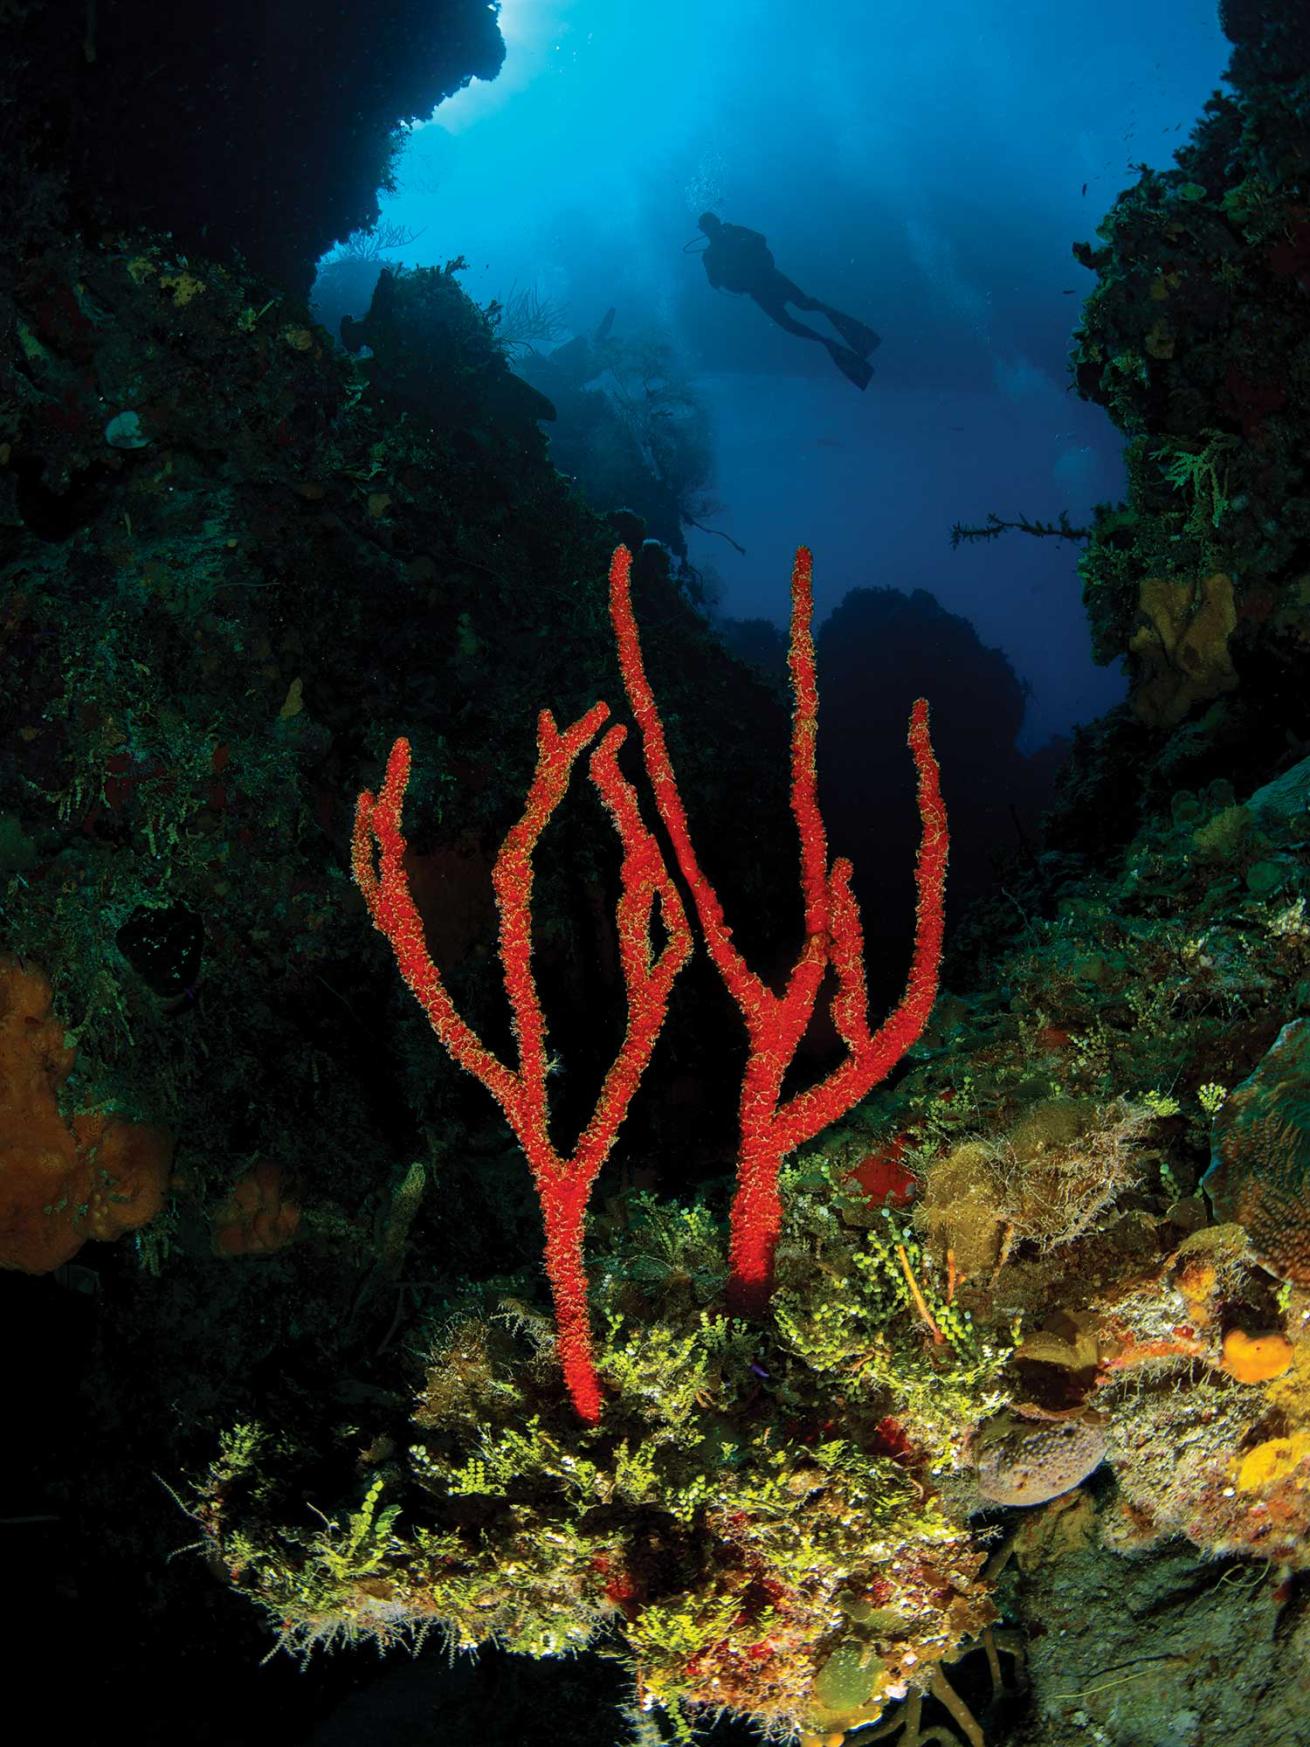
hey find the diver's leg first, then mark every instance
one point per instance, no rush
(788, 291)
(857, 336)
(847, 360)
(776, 309)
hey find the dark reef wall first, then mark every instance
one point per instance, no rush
(258, 127)
(232, 573)
(236, 573)
(877, 652)
(1196, 340)
(1272, 38)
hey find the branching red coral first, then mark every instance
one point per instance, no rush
(563, 1184)
(770, 1125)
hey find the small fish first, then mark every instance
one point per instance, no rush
(828, 443)
(1084, 187)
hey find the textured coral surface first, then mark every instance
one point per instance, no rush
(62, 1179)
(1260, 1169)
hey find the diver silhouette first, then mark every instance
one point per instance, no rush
(740, 260)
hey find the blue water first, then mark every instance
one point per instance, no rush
(926, 169)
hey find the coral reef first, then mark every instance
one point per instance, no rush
(629, 425)
(649, 902)
(1026, 1461)
(770, 1124)
(264, 131)
(1194, 340)
(1259, 1175)
(1158, 1644)
(432, 354)
(1033, 1369)
(763, 1544)
(258, 1217)
(1054, 1307)
(63, 1179)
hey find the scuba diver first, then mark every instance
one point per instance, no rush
(740, 260)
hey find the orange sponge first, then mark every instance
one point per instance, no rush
(62, 1182)
(1256, 1358)
(258, 1216)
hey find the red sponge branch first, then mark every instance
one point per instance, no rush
(770, 1126)
(563, 1184)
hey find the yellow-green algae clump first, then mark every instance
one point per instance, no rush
(756, 1525)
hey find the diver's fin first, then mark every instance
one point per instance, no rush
(851, 365)
(857, 336)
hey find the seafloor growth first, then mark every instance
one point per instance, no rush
(783, 1516)
(1035, 1372)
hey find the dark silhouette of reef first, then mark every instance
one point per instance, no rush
(235, 565)
(1272, 40)
(1194, 340)
(629, 428)
(432, 355)
(877, 652)
(235, 572)
(253, 127)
